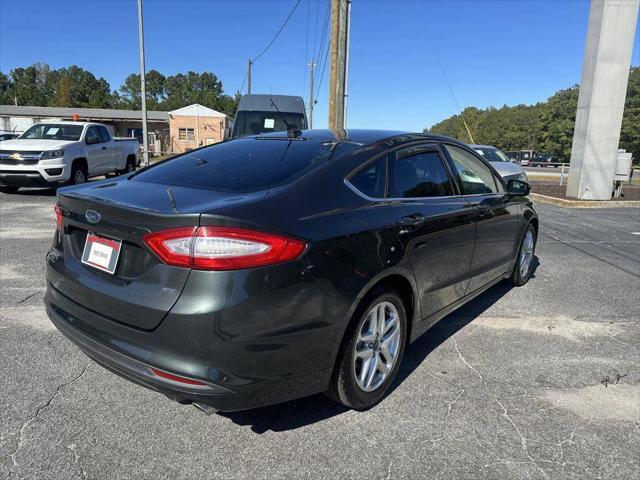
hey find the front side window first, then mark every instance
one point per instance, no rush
(475, 177)
(186, 134)
(416, 172)
(104, 134)
(371, 179)
(92, 136)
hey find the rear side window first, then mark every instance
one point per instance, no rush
(416, 172)
(371, 180)
(475, 177)
(242, 165)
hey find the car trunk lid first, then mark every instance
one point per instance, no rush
(142, 289)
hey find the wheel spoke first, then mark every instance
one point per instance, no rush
(383, 368)
(393, 321)
(381, 313)
(373, 369)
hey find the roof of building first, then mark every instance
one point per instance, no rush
(83, 113)
(197, 110)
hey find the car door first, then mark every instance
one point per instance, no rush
(435, 224)
(109, 149)
(96, 159)
(497, 217)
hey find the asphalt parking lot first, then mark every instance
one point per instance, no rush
(541, 381)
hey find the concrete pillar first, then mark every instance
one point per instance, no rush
(603, 87)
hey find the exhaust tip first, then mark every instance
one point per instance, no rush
(207, 409)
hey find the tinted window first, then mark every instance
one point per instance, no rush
(256, 123)
(474, 175)
(242, 165)
(416, 173)
(104, 134)
(92, 136)
(371, 180)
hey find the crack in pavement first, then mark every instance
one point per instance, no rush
(505, 411)
(39, 410)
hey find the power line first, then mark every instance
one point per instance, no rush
(278, 32)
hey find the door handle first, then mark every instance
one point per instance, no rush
(412, 220)
(104, 148)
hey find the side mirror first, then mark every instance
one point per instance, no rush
(518, 188)
(92, 140)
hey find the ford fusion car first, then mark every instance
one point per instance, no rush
(502, 164)
(267, 268)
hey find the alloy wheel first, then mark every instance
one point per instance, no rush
(377, 346)
(526, 253)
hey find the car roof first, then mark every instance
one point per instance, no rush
(67, 122)
(363, 136)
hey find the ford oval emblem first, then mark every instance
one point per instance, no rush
(92, 216)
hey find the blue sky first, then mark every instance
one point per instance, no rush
(493, 52)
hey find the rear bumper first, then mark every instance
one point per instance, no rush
(238, 374)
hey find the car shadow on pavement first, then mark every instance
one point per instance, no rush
(306, 411)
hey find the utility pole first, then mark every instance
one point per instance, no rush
(249, 77)
(340, 13)
(311, 99)
(143, 90)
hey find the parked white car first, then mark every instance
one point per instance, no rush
(55, 153)
(505, 167)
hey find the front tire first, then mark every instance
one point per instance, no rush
(78, 175)
(8, 189)
(371, 352)
(524, 262)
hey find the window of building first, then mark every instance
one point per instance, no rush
(187, 134)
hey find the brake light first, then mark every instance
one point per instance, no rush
(58, 217)
(222, 248)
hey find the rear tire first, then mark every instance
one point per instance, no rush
(371, 352)
(9, 189)
(130, 167)
(78, 174)
(526, 253)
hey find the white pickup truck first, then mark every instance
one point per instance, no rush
(67, 153)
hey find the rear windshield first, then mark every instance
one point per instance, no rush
(243, 165)
(256, 123)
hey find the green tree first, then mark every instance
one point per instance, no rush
(546, 127)
(630, 133)
(130, 92)
(76, 87)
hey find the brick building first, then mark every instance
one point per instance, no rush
(195, 126)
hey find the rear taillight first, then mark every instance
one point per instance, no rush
(222, 248)
(58, 217)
